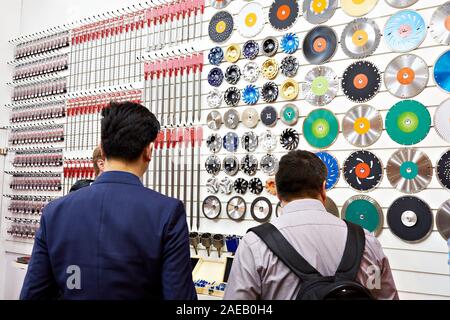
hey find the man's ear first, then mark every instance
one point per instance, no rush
(323, 192)
(148, 152)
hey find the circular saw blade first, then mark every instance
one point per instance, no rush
(319, 45)
(249, 141)
(360, 38)
(361, 81)
(409, 170)
(321, 86)
(410, 219)
(250, 118)
(256, 186)
(283, 14)
(358, 8)
(213, 165)
(363, 170)
(364, 211)
(250, 20)
(236, 208)
(319, 11)
(320, 128)
(331, 207)
(214, 143)
(211, 207)
(362, 125)
(443, 170)
(221, 27)
(333, 171)
(443, 220)
(269, 116)
(214, 120)
(408, 122)
(441, 71)
(406, 76)
(405, 31)
(289, 139)
(261, 209)
(440, 24)
(231, 119)
(441, 120)
(289, 114)
(249, 164)
(400, 4)
(231, 142)
(219, 4)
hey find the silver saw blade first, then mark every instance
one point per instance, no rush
(443, 220)
(321, 86)
(401, 3)
(440, 24)
(441, 120)
(362, 125)
(360, 38)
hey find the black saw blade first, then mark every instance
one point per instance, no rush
(361, 81)
(256, 186)
(363, 170)
(443, 169)
(320, 44)
(283, 14)
(221, 27)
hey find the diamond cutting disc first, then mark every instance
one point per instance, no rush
(289, 89)
(442, 120)
(360, 38)
(410, 219)
(363, 171)
(283, 14)
(219, 4)
(250, 49)
(251, 72)
(270, 46)
(406, 76)
(441, 71)
(231, 142)
(319, 11)
(440, 24)
(236, 208)
(268, 141)
(333, 171)
(331, 207)
(364, 211)
(320, 44)
(256, 186)
(250, 20)
(211, 207)
(361, 81)
(443, 220)
(321, 86)
(401, 3)
(320, 128)
(269, 92)
(249, 164)
(289, 66)
(233, 74)
(250, 118)
(231, 119)
(409, 170)
(233, 53)
(289, 139)
(443, 170)
(214, 99)
(261, 209)
(404, 31)
(230, 165)
(269, 116)
(214, 120)
(290, 43)
(215, 56)
(241, 186)
(214, 143)
(408, 122)
(250, 94)
(270, 69)
(226, 186)
(212, 184)
(215, 77)
(289, 114)
(269, 164)
(362, 125)
(232, 96)
(358, 8)
(221, 27)
(249, 141)
(213, 165)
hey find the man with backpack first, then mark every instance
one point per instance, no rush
(307, 253)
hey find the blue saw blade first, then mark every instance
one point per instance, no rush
(441, 71)
(332, 168)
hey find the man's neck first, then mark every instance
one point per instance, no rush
(284, 203)
(115, 165)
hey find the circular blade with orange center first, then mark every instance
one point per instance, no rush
(320, 45)
(360, 38)
(221, 27)
(283, 14)
(319, 11)
(361, 81)
(440, 24)
(363, 170)
(362, 125)
(250, 20)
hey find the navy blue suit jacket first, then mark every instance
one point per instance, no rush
(129, 242)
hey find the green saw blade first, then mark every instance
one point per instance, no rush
(364, 211)
(289, 114)
(408, 122)
(321, 128)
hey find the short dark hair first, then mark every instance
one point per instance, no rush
(301, 174)
(127, 128)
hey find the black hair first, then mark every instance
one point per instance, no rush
(301, 174)
(127, 128)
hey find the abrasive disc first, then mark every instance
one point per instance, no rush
(250, 49)
(213, 165)
(214, 143)
(443, 220)
(221, 27)
(249, 141)
(440, 24)
(319, 11)
(442, 120)
(283, 14)
(211, 207)
(255, 186)
(321, 128)
(409, 170)
(289, 139)
(364, 211)
(289, 89)
(320, 44)
(270, 69)
(321, 86)
(214, 99)
(236, 208)
(404, 31)
(362, 125)
(233, 53)
(261, 209)
(268, 141)
(401, 3)
(443, 170)
(241, 186)
(269, 92)
(289, 114)
(408, 122)
(214, 120)
(230, 165)
(360, 38)
(361, 81)
(250, 94)
(231, 119)
(270, 46)
(231, 142)
(406, 76)
(233, 74)
(251, 72)
(333, 171)
(269, 164)
(250, 20)
(250, 118)
(441, 71)
(358, 8)
(249, 164)
(232, 96)
(289, 43)
(363, 170)
(269, 116)
(410, 219)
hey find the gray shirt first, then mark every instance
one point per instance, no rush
(320, 238)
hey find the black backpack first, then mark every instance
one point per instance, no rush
(314, 286)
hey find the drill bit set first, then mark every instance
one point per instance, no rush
(38, 158)
(39, 89)
(41, 67)
(28, 135)
(37, 112)
(42, 45)
(33, 181)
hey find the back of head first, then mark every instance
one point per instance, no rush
(301, 174)
(127, 129)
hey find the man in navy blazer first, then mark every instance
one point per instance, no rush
(115, 239)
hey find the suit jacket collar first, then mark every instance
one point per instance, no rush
(120, 177)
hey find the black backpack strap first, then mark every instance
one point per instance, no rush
(353, 252)
(278, 244)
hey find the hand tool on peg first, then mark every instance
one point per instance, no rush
(206, 240)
